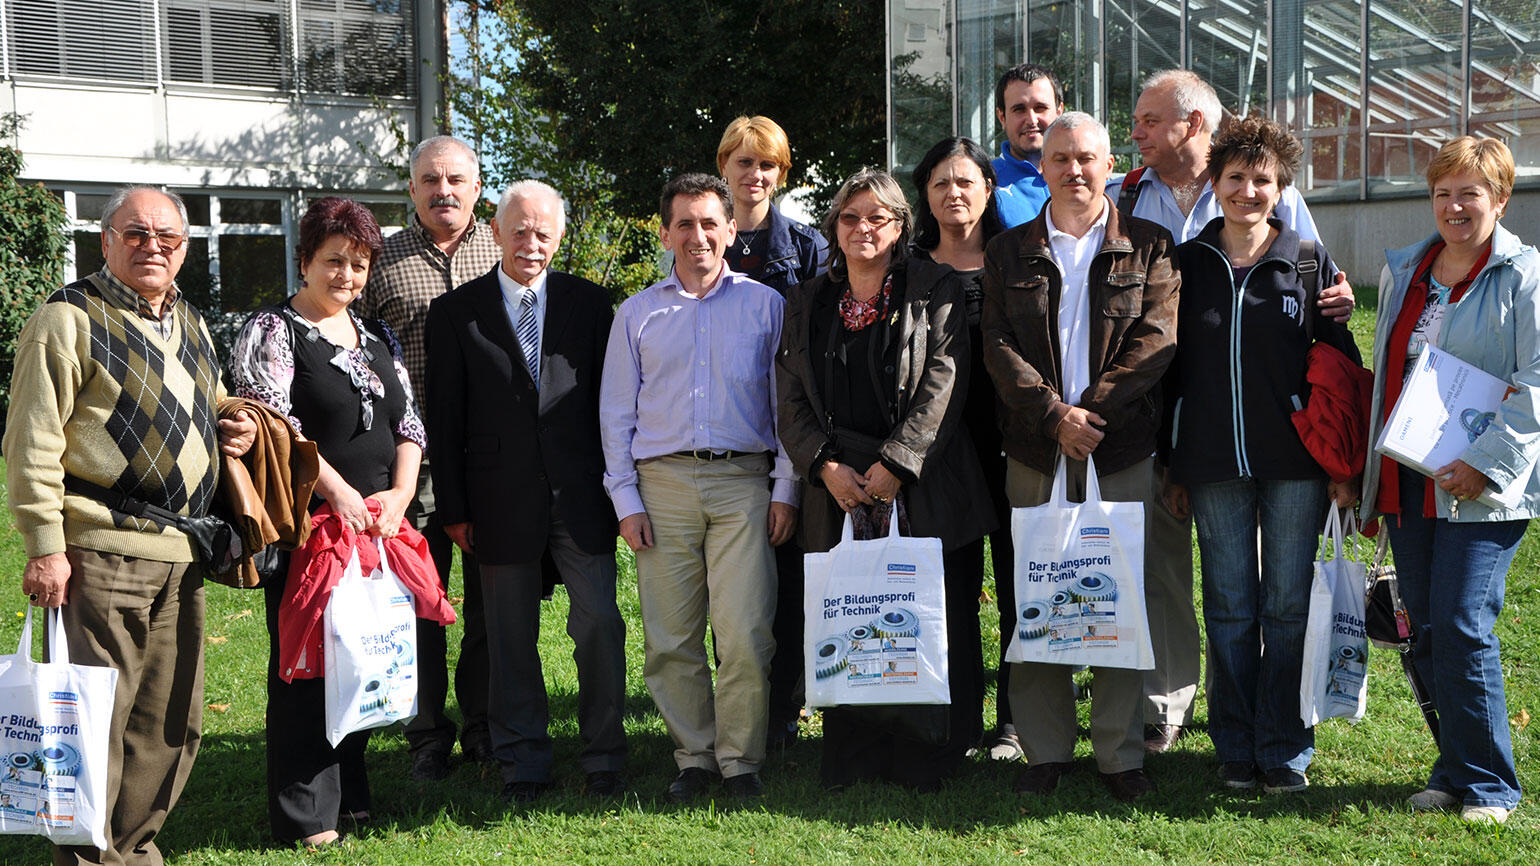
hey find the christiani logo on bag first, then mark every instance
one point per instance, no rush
(63, 699)
(400, 601)
(1088, 532)
(900, 568)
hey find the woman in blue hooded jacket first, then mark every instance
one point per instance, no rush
(1471, 289)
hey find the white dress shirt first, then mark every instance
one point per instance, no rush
(513, 301)
(1074, 256)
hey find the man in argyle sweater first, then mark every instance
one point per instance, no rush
(116, 384)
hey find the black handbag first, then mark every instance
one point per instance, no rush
(1385, 618)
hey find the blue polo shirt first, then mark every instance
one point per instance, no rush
(1020, 190)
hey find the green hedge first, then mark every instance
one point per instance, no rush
(33, 243)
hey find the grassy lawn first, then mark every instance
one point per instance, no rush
(1354, 811)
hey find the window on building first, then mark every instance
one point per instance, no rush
(234, 42)
(922, 76)
(1415, 88)
(1505, 77)
(361, 47)
(1142, 38)
(1230, 49)
(989, 41)
(1330, 122)
(1372, 87)
(357, 46)
(83, 38)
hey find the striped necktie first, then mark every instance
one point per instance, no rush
(528, 331)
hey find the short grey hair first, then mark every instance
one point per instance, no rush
(888, 193)
(121, 194)
(1190, 93)
(521, 190)
(1070, 121)
(442, 142)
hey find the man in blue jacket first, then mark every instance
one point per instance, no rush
(1028, 98)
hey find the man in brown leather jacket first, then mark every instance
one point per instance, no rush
(1079, 325)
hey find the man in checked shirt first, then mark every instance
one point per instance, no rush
(441, 247)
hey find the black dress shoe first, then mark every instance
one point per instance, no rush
(781, 736)
(429, 766)
(476, 752)
(746, 786)
(1042, 778)
(1160, 738)
(691, 783)
(524, 792)
(1128, 785)
(604, 783)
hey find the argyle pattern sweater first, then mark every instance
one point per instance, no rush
(99, 393)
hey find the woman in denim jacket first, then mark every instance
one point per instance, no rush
(1471, 290)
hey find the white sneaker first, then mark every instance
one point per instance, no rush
(1484, 814)
(1433, 800)
(1007, 747)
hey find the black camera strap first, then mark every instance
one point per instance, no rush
(123, 503)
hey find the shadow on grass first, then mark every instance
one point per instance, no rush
(224, 806)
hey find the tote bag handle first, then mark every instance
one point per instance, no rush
(58, 647)
(1093, 487)
(1333, 532)
(847, 531)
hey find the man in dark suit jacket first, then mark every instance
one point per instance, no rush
(514, 359)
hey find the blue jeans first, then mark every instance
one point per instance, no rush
(1253, 695)
(1456, 652)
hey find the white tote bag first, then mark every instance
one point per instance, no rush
(875, 628)
(371, 651)
(1333, 680)
(55, 720)
(1080, 581)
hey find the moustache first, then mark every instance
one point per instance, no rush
(444, 201)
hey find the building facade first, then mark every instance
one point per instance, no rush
(1372, 87)
(247, 108)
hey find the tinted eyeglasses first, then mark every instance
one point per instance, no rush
(876, 221)
(168, 241)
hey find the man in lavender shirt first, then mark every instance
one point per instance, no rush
(687, 410)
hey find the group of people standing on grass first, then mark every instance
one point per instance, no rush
(931, 361)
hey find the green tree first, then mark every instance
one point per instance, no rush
(643, 90)
(494, 108)
(33, 242)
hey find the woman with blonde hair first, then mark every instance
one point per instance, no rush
(1469, 289)
(754, 158)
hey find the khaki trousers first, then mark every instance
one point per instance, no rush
(711, 554)
(1043, 695)
(1169, 689)
(144, 618)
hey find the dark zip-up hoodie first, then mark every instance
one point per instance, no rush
(1240, 361)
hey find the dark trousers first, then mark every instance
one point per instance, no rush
(309, 783)
(1002, 555)
(432, 729)
(520, 712)
(856, 748)
(787, 691)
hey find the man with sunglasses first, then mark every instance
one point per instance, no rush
(115, 394)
